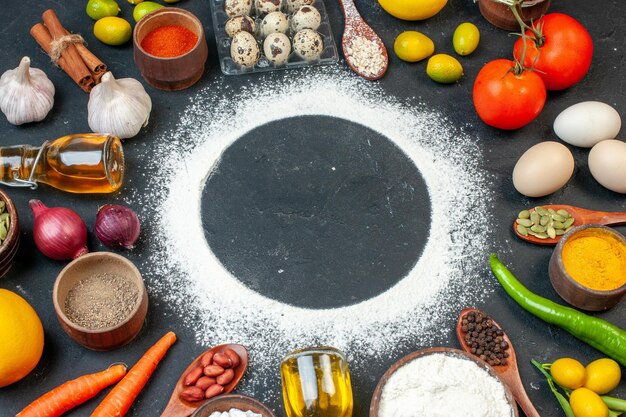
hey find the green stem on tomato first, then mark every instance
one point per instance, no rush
(615, 404)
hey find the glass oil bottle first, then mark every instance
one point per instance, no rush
(316, 383)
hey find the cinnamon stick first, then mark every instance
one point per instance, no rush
(44, 39)
(75, 67)
(93, 63)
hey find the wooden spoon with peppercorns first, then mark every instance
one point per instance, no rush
(485, 341)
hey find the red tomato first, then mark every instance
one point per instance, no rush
(563, 56)
(505, 100)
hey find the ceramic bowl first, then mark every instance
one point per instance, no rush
(176, 73)
(9, 247)
(500, 15)
(92, 264)
(573, 292)
(375, 404)
(226, 402)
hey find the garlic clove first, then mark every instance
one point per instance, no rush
(26, 94)
(120, 107)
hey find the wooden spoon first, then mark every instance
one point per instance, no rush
(355, 27)
(178, 407)
(581, 216)
(509, 373)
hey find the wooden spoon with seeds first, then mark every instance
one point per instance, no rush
(509, 372)
(581, 216)
(358, 35)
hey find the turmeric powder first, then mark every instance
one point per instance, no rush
(595, 259)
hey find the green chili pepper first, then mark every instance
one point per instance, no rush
(602, 335)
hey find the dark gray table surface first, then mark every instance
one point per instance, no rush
(33, 274)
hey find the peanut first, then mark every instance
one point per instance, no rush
(213, 370)
(234, 357)
(192, 394)
(193, 376)
(226, 377)
(207, 358)
(205, 382)
(213, 390)
(222, 360)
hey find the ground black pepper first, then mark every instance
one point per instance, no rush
(101, 301)
(485, 338)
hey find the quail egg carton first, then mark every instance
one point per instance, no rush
(329, 54)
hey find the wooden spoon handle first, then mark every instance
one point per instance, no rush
(519, 393)
(350, 12)
(610, 218)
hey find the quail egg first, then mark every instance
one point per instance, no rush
(308, 44)
(277, 48)
(273, 23)
(267, 6)
(306, 17)
(244, 50)
(237, 7)
(240, 24)
(293, 5)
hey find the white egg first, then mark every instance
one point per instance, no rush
(587, 123)
(306, 17)
(238, 24)
(543, 169)
(293, 5)
(237, 7)
(607, 163)
(267, 6)
(244, 49)
(308, 44)
(277, 48)
(275, 22)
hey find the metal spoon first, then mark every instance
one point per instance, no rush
(355, 28)
(509, 373)
(581, 216)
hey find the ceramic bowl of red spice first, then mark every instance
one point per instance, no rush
(170, 48)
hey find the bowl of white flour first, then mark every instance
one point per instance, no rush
(441, 382)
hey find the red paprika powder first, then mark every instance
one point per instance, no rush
(169, 41)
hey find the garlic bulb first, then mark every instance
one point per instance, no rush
(26, 94)
(119, 107)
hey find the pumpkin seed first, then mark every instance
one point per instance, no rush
(551, 232)
(2, 206)
(3, 231)
(568, 223)
(522, 230)
(538, 229)
(524, 222)
(541, 235)
(524, 214)
(534, 217)
(551, 211)
(541, 211)
(558, 225)
(560, 232)
(563, 213)
(558, 218)
(544, 220)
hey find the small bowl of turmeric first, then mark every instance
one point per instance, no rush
(588, 267)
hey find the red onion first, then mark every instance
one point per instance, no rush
(59, 232)
(117, 226)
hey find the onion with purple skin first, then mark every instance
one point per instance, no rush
(59, 232)
(117, 226)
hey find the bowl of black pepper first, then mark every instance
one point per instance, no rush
(9, 233)
(100, 300)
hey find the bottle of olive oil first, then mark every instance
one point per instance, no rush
(83, 163)
(316, 383)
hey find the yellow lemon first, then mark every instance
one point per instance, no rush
(465, 39)
(112, 30)
(568, 373)
(21, 338)
(144, 8)
(603, 375)
(412, 9)
(412, 46)
(444, 69)
(97, 9)
(586, 403)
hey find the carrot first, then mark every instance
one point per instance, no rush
(119, 400)
(73, 393)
